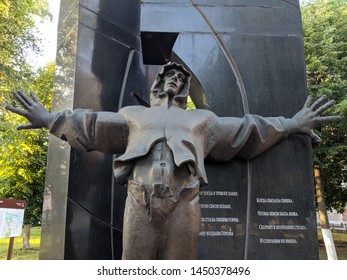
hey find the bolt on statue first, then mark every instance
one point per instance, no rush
(163, 150)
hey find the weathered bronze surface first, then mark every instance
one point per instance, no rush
(163, 151)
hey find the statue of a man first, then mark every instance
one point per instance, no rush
(163, 150)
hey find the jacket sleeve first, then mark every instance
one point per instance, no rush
(86, 130)
(245, 137)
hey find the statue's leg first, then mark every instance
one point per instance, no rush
(139, 235)
(183, 227)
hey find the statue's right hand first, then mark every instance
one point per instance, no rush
(310, 116)
(34, 112)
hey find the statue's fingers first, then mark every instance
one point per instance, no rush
(327, 105)
(308, 101)
(17, 111)
(33, 96)
(25, 126)
(328, 119)
(315, 137)
(318, 102)
(22, 99)
(25, 97)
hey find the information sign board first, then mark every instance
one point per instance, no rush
(11, 217)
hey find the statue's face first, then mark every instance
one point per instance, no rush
(173, 82)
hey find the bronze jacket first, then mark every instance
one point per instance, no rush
(191, 135)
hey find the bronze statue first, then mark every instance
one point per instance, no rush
(163, 150)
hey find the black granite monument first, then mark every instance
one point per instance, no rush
(246, 57)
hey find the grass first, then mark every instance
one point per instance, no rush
(340, 241)
(20, 253)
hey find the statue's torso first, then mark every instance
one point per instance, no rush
(158, 168)
(166, 145)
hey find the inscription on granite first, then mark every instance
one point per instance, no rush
(213, 224)
(278, 221)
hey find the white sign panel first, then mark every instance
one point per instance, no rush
(11, 217)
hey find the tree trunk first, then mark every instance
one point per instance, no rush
(26, 236)
(323, 217)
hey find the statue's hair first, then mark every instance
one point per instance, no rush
(157, 87)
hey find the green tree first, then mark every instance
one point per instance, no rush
(325, 38)
(18, 38)
(23, 153)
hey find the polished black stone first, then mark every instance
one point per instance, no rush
(85, 235)
(157, 47)
(283, 19)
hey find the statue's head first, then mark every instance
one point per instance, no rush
(172, 82)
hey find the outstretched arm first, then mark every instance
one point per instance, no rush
(252, 135)
(84, 129)
(310, 116)
(34, 112)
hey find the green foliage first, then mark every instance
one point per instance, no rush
(190, 104)
(18, 37)
(325, 38)
(23, 153)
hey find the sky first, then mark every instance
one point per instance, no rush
(49, 36)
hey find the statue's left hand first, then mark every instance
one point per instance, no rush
(310, 115)
(34, 112)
